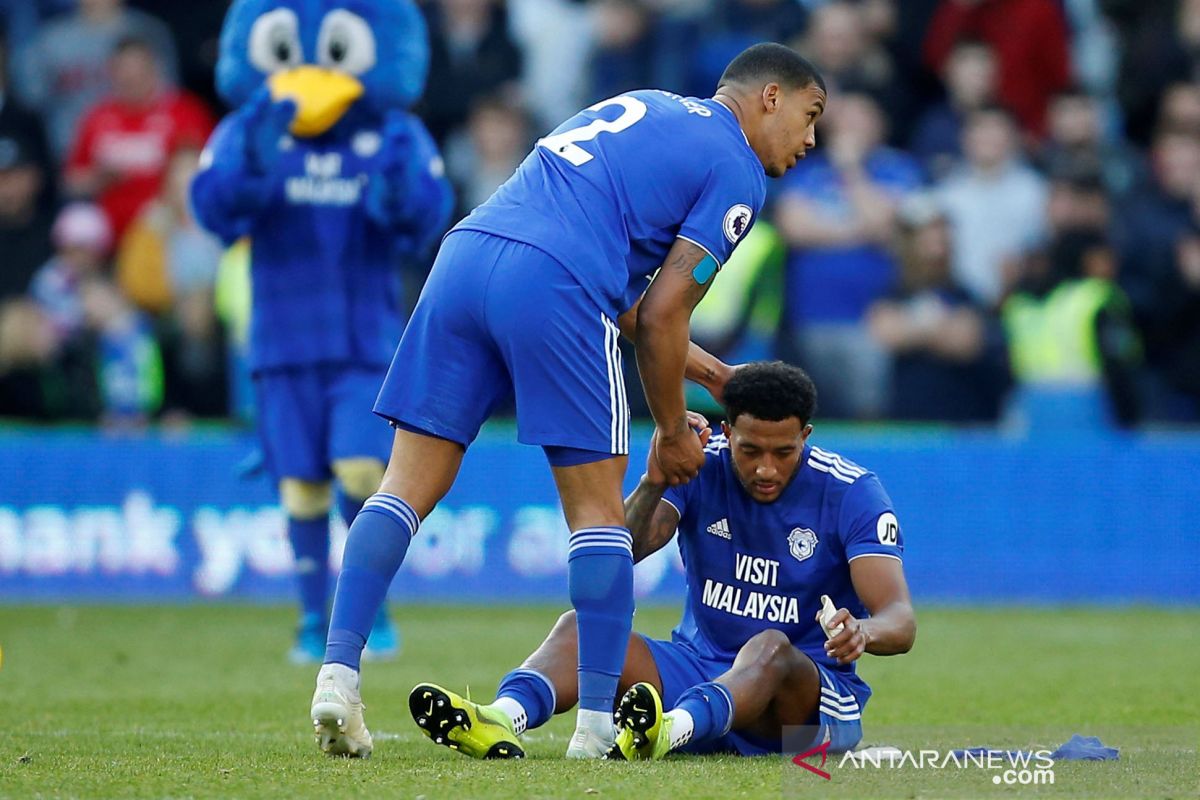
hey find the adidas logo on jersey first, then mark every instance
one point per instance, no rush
(720, 528)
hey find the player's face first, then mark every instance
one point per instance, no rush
(790, 126)
(766, 454)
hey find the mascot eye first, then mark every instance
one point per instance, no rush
(275, 41)
(346, 42)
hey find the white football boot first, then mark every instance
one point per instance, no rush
(587, 743)
(337, 713)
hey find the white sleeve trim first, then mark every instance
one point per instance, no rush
(702, 247)
(876, 555)
(678, 513)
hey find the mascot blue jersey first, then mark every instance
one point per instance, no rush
(607, 193)
(324, 169)
(752, 566)
(324, 271)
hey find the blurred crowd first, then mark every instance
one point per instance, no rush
(1001, 221)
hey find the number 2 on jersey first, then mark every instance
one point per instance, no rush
(565, 144)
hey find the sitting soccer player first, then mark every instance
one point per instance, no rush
(770, 524)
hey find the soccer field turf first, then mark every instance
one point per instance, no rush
(198, 702)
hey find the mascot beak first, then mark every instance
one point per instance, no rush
(322, 97)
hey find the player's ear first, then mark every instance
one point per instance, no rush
(805, 433)
(725, 429)
(770, 97)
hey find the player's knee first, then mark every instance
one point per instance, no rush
(360, 477)
(306, 499)
(565, 623)
(774, 654)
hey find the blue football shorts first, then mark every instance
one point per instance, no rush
(839, 714)
(499, 318)
(311, 416)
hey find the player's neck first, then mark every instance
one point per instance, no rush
(733, 105)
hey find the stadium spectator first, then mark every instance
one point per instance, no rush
(711, 40)
(23, 125)
(63, 71)
(82, 240)
(487, 154)
(969, 77)
(1180, 108)
(947, 353)
(555, 38)
(40, 379)
(995, 203)
(471, 56)
(24, 219)
(128, 362)
(195, 358)
(1159, 41)
(837, 211)
(845, 49)
(124, 143)
(623, 57)
(1030, 38)
(1075, 135)
(1073, 346)
(165, 253)
(1159, 269)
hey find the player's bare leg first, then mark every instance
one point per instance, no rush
(600, 579)
(421, 470)
(557, 658)
(771, 684)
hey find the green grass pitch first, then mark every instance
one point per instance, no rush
(197, 701)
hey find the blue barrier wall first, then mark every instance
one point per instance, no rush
(986, 518)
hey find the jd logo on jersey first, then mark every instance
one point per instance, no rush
(802, 543)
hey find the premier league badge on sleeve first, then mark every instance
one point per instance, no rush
(737, 222)
(802, 543)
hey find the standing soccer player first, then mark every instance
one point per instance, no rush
(529, 295)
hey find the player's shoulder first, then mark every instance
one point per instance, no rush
(836, 470)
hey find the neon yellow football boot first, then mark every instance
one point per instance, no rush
(455, 722)
(643, 731)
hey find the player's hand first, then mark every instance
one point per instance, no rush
(851, 643)
(680, 453)
(265, 122)
(654, 471)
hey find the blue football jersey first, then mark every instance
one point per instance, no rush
(609, 190)
(752, 566)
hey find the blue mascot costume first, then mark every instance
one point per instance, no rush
(333, 181)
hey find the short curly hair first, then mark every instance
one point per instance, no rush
(770, 391)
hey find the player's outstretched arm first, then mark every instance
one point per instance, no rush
(651, 520)
(702, 366)
(892, 627)
(662, 344)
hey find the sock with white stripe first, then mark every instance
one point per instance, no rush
(375, 549)
(600, 581)
(710, 706)
(527, 697)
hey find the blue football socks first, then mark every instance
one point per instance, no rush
(711, 708)
(600, 581)
(310, 545)
(534, 692)
(375, 549)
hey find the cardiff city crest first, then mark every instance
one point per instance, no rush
(803, 543)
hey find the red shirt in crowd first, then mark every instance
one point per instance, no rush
(1030, 39)
(134, 144)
